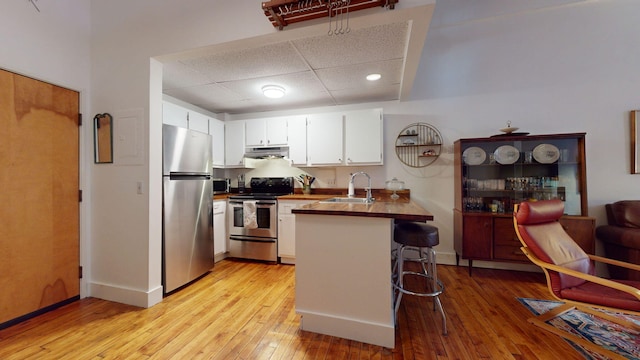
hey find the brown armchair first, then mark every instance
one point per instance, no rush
(570, 272)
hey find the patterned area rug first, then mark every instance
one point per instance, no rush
(606, 334)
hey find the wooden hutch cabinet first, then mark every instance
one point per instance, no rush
(492, 174)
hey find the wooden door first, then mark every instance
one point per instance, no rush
(39, 210)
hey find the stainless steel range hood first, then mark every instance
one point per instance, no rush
(271, 152)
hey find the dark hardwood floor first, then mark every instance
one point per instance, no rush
(246, 310)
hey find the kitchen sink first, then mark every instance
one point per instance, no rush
(347, 200)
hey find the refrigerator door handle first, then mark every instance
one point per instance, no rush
(187, 176)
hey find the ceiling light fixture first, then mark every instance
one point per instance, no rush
(273, 91)
(373, 77)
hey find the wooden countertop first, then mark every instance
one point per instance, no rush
(399, 210)
(316, 197)
(327, 193)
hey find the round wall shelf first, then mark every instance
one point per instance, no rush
(418, 145)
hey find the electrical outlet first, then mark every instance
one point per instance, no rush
(139, 187)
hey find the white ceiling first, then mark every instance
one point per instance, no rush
(314, 68)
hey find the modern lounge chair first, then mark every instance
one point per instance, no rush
(570, 272)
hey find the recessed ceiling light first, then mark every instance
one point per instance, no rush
(273, 91)
(373, 77)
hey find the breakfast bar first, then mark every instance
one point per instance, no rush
(343, 268)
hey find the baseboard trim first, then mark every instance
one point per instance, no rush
(367, 332)
(135, 297)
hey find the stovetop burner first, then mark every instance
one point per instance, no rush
(268, 188)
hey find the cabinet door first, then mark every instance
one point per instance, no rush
(233, 143)
(582, 231)
(477, 236)
(216, 130)
(277, 131)
(175, 115)
(363, 137)
(266, 132)
(506, 245)
(198, 122)
(325, 146)
(255, 134)
(287, 230)
(297, 132)
(219, 227)
(287, 233)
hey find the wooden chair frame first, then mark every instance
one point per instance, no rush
(541, 320)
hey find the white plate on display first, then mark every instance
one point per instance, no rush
(474, 156)
(506, 154)
(546, 153)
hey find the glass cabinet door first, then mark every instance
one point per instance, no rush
(498, 172)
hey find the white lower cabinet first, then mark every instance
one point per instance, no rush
(287, 229)
(219, 229)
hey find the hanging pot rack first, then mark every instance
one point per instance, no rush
(284, 12)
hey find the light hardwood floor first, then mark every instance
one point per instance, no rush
(246, 310)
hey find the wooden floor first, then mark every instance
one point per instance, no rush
(245, 310)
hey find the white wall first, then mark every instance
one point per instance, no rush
(53, 46)
(560, 69)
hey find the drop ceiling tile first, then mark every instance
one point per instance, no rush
(176, 75)
(376, 43)
(302, 90)
(249, 63)
(384, 93)
(299, 85)
(354, 76)
(209, 94)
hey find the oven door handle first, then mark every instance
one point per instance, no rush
(259, 203)
(269, 240)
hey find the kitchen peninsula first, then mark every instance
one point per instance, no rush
(343, 268)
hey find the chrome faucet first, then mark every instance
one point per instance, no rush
(351, 192)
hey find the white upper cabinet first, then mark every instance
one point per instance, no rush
(216, 130)
(324, 140)
(363, 137)
(266, 132)
(297, 126)
(198, 122)
(234, 143)
(175, 115)
(348, 138)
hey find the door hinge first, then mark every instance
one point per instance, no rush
(80, 272)
(79, 195)
(79, 119)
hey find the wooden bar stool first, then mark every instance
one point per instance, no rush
(419, 238)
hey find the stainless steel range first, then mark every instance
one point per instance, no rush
(253, 220)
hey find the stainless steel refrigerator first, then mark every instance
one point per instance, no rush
(187, 206)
